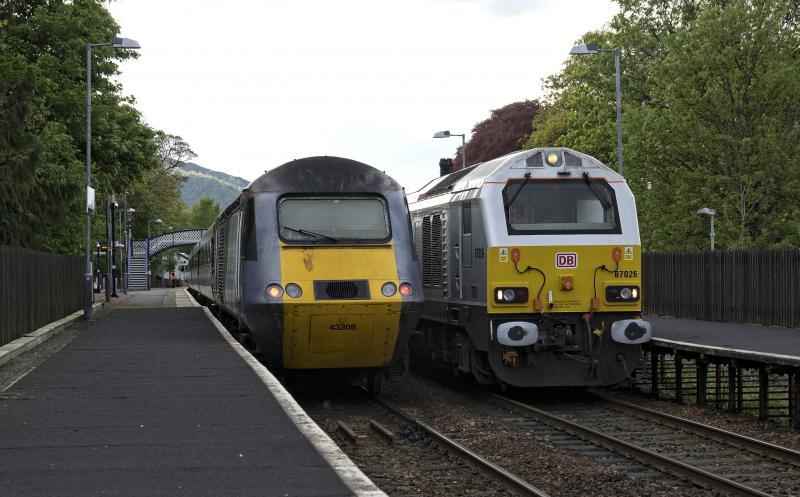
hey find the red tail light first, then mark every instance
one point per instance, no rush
(406, 290)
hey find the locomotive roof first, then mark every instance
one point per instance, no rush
(323, 174)
(515, 165)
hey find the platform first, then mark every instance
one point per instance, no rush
(749, 342)
(156, 401)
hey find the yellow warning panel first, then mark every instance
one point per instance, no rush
(339, 335)
(331, 333)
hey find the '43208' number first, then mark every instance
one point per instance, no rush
(343, 327)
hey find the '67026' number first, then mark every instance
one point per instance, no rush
(626, 274)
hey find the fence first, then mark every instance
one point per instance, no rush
(753, 286)
(37, 288)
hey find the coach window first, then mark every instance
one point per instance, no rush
(329, 220)
(560, 207)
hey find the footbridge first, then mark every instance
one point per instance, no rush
(140, 252)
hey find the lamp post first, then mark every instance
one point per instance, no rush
(129, 212)
(447, 134)
(709, 212)
(111, 277)
(116, 42)
(591, 49)
(155, 221)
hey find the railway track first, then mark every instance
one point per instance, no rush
(707, 456)
(405, 456)
(511, 481)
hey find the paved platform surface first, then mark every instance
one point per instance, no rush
(156, 297)
(153, 402)
(755, 339)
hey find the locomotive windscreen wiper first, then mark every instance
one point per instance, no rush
(603, 201)
(516, 193)
(311, 233)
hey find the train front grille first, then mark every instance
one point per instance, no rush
(341, 290)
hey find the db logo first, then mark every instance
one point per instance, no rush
(566, 259)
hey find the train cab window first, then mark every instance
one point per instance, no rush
(329, 220)
(560, 207)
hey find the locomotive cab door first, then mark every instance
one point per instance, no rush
(461, 233)
(466, 236)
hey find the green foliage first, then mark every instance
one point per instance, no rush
(204, 212)
(722, 124)
(711, 100)
(42, 122)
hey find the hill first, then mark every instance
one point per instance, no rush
(201, 182)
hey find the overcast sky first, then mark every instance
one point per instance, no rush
(253, 84)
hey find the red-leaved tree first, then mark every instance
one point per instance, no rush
(505, 131)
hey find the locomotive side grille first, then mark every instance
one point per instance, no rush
(432, 252)
(341, 290)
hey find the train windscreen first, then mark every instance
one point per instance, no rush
(333, 219)
(560, 207)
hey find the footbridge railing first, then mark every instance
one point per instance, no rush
(140, 252)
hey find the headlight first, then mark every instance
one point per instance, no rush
(622, 294)
(406, 290)
(388, 289)
(274, 291)
(514, 295)
(293, 290)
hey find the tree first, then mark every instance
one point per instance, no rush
(722, 130)
(503, 132)
(204, 212)
(710, 112)
(42, 119)
(172, 151)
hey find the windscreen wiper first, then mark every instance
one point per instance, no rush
(516, 193)
(311, 233)
(603, 201)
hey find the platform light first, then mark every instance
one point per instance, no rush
(591, 49)
(116, 42)
(448, 134)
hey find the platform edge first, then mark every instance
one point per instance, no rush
(31, 340)
(350, 474)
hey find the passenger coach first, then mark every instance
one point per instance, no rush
(532, 270)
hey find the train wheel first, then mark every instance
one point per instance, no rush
(375, 381)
